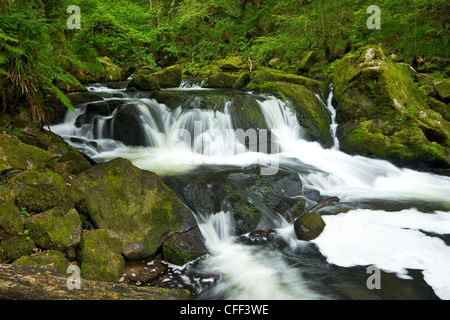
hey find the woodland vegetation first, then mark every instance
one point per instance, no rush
(39, 51)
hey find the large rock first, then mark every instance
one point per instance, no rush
(41, 190)
(54, 258)
(55, 229)
(10, 220)
(100, 256)
(382, 114)
(167, 78)
(15, 155)
(133, 205)
(249, 196)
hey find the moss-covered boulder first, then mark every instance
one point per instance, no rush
(144, 82)
(111, 72)
(55, 229)
(442, 88)
(10, 220)
(54, 258)
(132, 204)
(15, 155)
(231, 64)
(169, 77)
(222, 80)
(41, 190)
(181, 248)
(383, 114)
(15, 248)
(100, 256)
(263, 75)
(309, 226)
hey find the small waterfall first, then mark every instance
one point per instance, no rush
(332, 110)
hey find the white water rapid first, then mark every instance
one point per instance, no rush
(390, 217)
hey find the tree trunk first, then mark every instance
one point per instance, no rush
(45, 283)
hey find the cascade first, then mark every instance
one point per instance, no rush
(394, 218)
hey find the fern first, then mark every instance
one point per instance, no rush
(62, 97)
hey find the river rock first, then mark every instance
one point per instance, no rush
(132, 204)
(10, 220)
(309, 226)
(167, 78)
(55, 229)
(15, 155)
(15, 248)
(40, 191)
(52, 257)
(382, 114)
(221, 80)
(100, 256)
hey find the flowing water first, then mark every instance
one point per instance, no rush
(394, 219)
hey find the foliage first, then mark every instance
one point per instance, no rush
(38, 50)
(29, 61)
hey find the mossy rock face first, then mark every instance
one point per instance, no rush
(15, 155)
(15, 248)
(55, 152)
(182, 248)
(167, 78)
(222, 80)
(144, 82)
(263, 75)
(231, 64)
(41, 190)
(382, 114)
(10, 220)
(442, 87)
(54, 258)
(100, 256)
(111, 72)
(55, 229)
(309, 226)
(133, 204)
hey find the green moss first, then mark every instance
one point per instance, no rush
(100, 257)
(16, 155)
(309, 226)
(10, 220)
(133, 204)
(41, 191)
(383, 114)
(54, 258)
(144, 82)
(15, 248)
(56, 228)
(442, 87)
(222, 80)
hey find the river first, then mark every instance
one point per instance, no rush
(391, 226)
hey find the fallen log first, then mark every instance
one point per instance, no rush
(46, 283)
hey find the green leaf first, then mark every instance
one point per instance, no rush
(61, 96)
